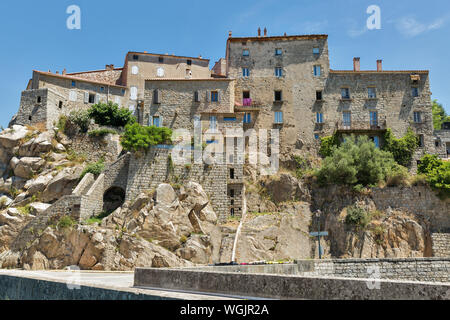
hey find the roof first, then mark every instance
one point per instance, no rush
(92, 71)
(280, 38)
(167, 55)
(184, 79)
(70, 77)
(379, 72)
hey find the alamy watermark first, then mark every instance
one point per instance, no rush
(374, 277)
(374, 21)
(73, 22)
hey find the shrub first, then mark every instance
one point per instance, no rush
(140, 138)
(437, 173)
(95, 168)
(302, 166)
(357, 217)
(356, 162)
(327, 145)
(61, 125)
(81, 119)
(109, 114)
(402, 149)
(397, 176)
(66, 222)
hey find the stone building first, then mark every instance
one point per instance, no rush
(264, 82)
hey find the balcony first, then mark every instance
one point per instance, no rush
(247, 105)
(361, 126)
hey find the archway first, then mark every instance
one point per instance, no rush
(112, 199)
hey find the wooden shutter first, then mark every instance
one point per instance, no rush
(156, 98)
(219, 95)
(86, 97)
(150, 120)
(97, 98)
(208, 96)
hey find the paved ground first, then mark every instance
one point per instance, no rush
(122, 281)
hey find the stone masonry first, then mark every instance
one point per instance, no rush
(441, 244)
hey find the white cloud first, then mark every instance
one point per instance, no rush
(410, 27)
(314, 26)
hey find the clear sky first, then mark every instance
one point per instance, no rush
(33, 34)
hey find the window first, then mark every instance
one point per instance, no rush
(232, 212)
(376, 141)
(319, 95)
(156, 97)
(188, 73)
(133, 93)
(91, 98)
(213, 122)
(74, 83)
(319, 117)
(245, 72)
(316, 136)
(247, 117)
(278, 95)
(278, 72)
(417, 117)
(245, 52)
(373, 118)
(232, 193)
(189, 62)
(135, 57)
(421, 141)
(60, 104)
(317, 71)
(345, 93)
(39, 99)
(246, 94)
(231, 173)
(73, 95)
(161, 59)
(415, 91)
(371, 92)
(316, 50)
(196, 96)
(156, 121)
(229, 118)
(214, 96)
(278, 117)
(346, 118)
(278, 52)
(102, 89)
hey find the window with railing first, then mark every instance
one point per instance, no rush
(346, 119)
(418, 117)
(345, 93)
(278, 72)
(319, 117)
(278, 117)
(371, 92)
(374, 118)
(245, 72)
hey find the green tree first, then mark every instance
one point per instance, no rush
(327, 144)
(403, 148)
(437, 173)
(439, 115)
(356, 161)
(140, 138)
(109, 114)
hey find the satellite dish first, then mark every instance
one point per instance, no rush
(160, 72)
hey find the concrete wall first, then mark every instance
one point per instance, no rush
(287, 286)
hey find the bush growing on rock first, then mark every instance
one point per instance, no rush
(109, 114)
(81, 119)
(357, 216)
(140, 138)
(95, 168)
(356, 161)
(402, 149)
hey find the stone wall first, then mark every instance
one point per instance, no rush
(443, 146)
(418, 200)
(106, 147)
(413, 269)
(116, 173)
(441, 244)
(92, 201)
(149, 170)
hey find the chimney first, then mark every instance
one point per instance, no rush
(64, 71)
(57, 72)
(356, 64)
(229, 34)
(285, 34)
(379, 65)
(200, 56)
(265, 32)
(259, 32)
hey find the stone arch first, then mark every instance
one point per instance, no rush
(113, 198)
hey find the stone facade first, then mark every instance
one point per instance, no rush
(441, 244)
(442, 143)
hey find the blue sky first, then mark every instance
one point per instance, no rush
(414, 34)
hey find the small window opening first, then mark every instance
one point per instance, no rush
(231, 173)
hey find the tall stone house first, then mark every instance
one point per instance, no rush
(264, 82)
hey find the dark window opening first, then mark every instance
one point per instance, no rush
(29, 118)
(421, 141)
(318, 95)
(196, 96)
(278, 95)
(436, 143)
(214, 96)
(231, 193)
(231, 173)
(232, 202)
(232, 212)
(160, 59)
(135, 57)
(189, 62)
(91, 98)
(39, 99)
(246, 94)
(60, 105)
